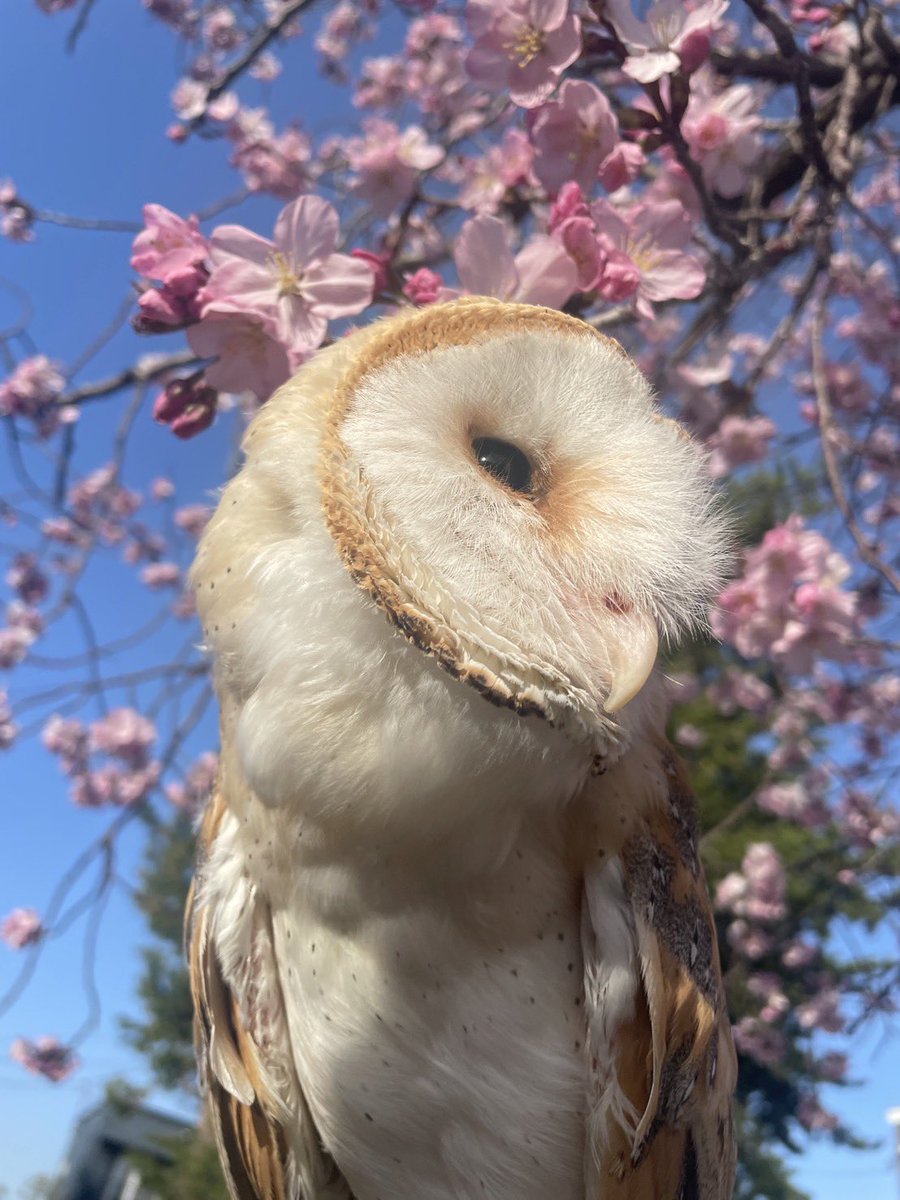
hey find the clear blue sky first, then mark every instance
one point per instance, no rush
(83, 134)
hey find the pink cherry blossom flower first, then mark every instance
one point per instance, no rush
(736, 690)
(823, 1011)
(162, 488)
(757, 891)
(794, 802)
(489, 176)
(295, 284)
(189, 98)
(21, 928)
(67, 738)
(582, 246)
(789, 602)
(193, 792)
(737, 441)
(387, 163)
(541, 273)
(643, 252)
(572, 135)
(655, 45)
(521, 46)
(722, 130)
(168, 246)
(14, 643)
(187, 406)
(26, 578)
(34, 383)
(799, 954)
(383, 82)
(248, 358)
(766, 986)
(8, 727)
(758, 1040)
(423, 286)
(621, 166)
(278, 163)
(570, 202)
(114, 785)
(124, 734)
(813, 1116)
(193, 518)
(46, 1056)
(161, 575)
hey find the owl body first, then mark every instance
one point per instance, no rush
(450, 935)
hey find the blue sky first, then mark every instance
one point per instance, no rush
(83, 134)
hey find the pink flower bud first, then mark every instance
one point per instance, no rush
(694, 50)
(423, 286)
(188, 406)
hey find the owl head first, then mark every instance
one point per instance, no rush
(470, 517)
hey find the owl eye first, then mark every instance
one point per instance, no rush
(505, 462)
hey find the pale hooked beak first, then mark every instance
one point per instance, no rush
(632, 650)
(620, 641)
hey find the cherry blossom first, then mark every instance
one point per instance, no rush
(247, 358)
(722, 130)
(45, 1056)
(572, 136)
(8, 727)
(33, 390)
(671, 32)
(124, 733)
(296, 283)
(277, 163)
(199, 780)
(521, 46)
(387, 163)
(541, 273)
(789, 601)
(489, 177)
(757, 890)
(22, 927)
(643, 255)
(737, 441)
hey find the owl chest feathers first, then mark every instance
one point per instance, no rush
(437, 1018)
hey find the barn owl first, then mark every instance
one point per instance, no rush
(449, 933)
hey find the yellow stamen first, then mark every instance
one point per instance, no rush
(527, 46)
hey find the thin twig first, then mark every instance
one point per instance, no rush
(827, 427)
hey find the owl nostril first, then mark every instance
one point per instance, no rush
(506, 462)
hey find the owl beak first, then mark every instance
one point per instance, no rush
(632, 649)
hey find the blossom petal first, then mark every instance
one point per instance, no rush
(234, 241)
(484, 260)
(307, 230)
(547, 275)
(340, 286)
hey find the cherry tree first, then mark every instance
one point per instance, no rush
(713, 183)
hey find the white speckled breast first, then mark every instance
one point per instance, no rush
(441, 1058)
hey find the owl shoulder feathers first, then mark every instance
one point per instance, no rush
(662, 1066)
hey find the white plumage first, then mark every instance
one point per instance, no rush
(429, 959)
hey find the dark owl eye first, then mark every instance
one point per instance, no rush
(505, 462)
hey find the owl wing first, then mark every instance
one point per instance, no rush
(266, 1138)
(662, 1066)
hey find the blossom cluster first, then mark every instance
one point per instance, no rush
(125, 773)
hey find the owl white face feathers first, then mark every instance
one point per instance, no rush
(529, 497)
(443, 947)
